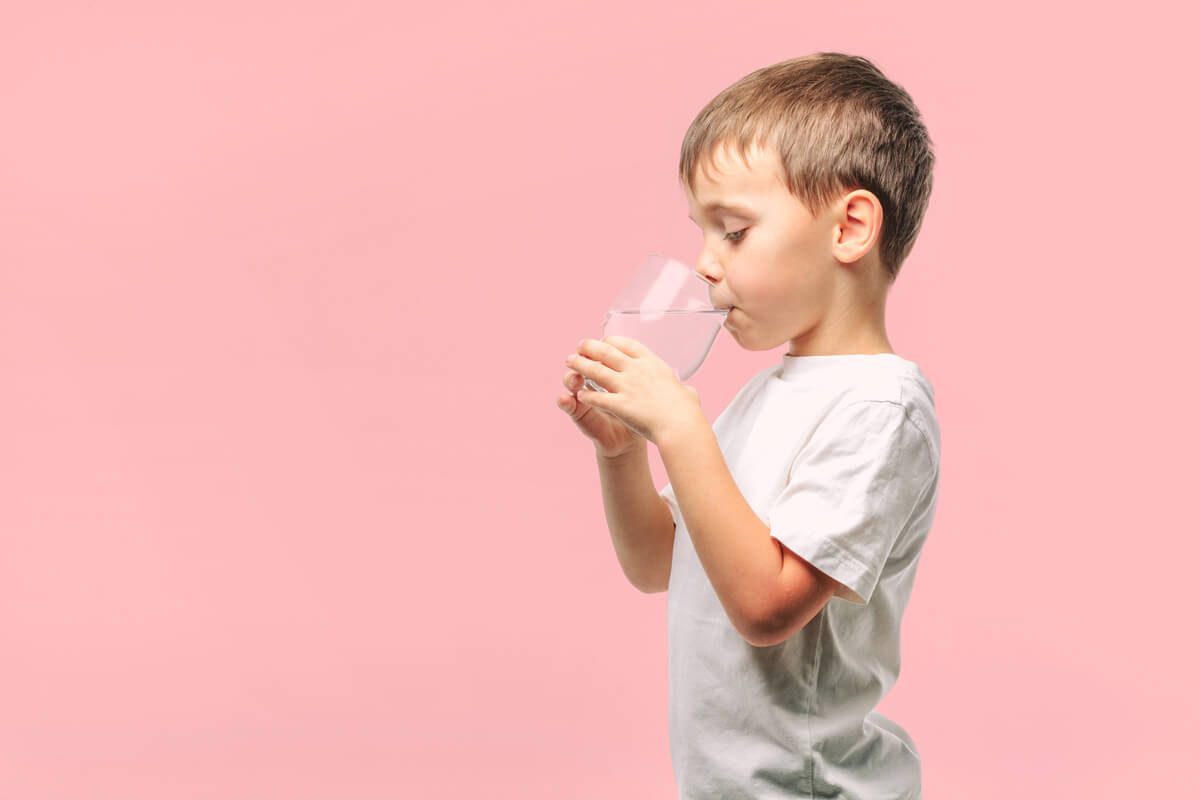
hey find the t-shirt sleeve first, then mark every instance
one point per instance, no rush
(851, 490)
(668, 494)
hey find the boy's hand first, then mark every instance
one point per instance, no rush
(611, 436)
(643, 391)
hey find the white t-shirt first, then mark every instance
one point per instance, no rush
(838, 455)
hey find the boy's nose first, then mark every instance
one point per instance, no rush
(710, 272)
(715, 294)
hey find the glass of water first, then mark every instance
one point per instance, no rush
(672, 310)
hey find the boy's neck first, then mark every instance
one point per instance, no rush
(864, 347)
(858, 325)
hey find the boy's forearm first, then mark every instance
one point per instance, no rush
(734, 546)
(643, 531)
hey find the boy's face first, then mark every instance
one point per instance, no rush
(775, 261)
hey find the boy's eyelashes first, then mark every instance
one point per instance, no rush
(732, 236)
(736, 236)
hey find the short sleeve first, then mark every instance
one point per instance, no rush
(668, 494)
(851, 490)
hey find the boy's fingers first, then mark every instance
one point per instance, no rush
(570, 404)
(597, 371)
(605, 352)
(588, 397)
(572, 380)
(627, 346)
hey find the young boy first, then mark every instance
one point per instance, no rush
(789, 534)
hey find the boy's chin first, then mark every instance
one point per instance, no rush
(748, 337)
(747, 341)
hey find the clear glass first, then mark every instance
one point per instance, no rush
(672, 310)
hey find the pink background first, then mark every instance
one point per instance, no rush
(286, 505)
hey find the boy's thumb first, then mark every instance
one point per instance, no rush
(571, 405)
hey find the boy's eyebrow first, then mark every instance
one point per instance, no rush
(730, 207)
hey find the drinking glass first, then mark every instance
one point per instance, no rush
(672, 310)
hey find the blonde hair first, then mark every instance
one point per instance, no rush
(837, 124)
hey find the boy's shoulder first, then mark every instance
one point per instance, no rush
(889, 378)
(848, 378)
(901, 386)
(811, 391)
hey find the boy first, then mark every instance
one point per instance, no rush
(789, 534)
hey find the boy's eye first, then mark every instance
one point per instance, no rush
(736, 236)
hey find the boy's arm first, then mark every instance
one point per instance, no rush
(639, 520)
(767, 590)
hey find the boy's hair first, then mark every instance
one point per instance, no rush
(837, 124)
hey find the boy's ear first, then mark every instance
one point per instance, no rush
(859, 220)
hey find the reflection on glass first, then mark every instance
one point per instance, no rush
(667, 307)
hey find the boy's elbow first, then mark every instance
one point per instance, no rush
(803, 592)
(653, 587)
(770, 631)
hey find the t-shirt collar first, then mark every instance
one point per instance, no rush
(802, 368)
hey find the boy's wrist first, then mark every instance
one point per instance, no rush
(684, 430)
(638, 448)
